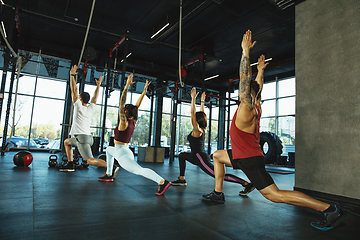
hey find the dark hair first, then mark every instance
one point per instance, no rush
(254, 85)
(85, 97)
(201, 120)
(131, 111)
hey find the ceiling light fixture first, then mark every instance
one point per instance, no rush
(160, 30)
(3, 28)
(266, 60)
(126, 57)
(2, 2)
(211, 77)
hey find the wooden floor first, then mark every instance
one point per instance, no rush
(38, 202)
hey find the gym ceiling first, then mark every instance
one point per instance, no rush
(212, 28)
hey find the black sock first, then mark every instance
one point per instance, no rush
(332, 208)
(217, 193)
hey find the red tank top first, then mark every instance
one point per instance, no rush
(125, 136)
(243, 144)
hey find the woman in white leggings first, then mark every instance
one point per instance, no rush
(128, 117)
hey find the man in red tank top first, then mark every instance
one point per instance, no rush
(247, 155)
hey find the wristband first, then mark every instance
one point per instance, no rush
(73, 75)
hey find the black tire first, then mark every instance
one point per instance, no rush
(274, 146)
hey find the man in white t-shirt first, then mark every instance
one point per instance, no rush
(80, 135)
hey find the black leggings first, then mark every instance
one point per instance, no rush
(203, 161)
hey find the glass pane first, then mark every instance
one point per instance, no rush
(206, 110)
(287, 87)
(112, 118)
(96, 122)
(114, 98)
(21, 122)
(166, 127)
(186, 109)
(47, 126)
(286, 106)
(185, 127)
(167, 105)
(235, 95)
(50, 88)
(26, 85)
(32, 65)
(141, 132)
(214, 113)
(65, 63)
(287, 129)
(267, 125)
(269, 91)
(63, 72)
(110, 124)
(287, 134)
(268, 108)
(214, 136)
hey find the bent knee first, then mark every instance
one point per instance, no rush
(274, 197)
(217, 156)
(90, 161)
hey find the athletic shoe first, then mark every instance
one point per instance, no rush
(115, 171)
(330, 220)
(179, 182)
(106, 178)
(214, 198)
(163, 187)
(247, 189)
(68, 167)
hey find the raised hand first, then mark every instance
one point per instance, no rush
(73, 70)
(247, 43)
(130, 79)
(203, 95)
(261, 63)
(98, 82)
(147, 84)
(193, 93)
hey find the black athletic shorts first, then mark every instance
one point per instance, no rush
(254, 168)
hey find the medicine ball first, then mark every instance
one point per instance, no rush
(23, 158)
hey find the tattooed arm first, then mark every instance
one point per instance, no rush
(123, 120)
(246, 113)
(245, 71)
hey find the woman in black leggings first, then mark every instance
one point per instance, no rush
(198, 156)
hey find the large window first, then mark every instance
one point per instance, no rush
(278, 111)
(38, 112)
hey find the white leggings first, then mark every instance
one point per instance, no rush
(125, 157)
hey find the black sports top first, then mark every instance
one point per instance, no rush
(197, 143)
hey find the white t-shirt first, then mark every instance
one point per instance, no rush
(81, 118)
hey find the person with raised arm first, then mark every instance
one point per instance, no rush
(80, 135)
(198, 156)
(246, 153)
(128, 115)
